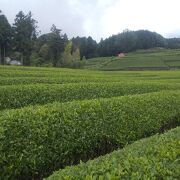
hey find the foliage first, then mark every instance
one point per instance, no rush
(43, 138)
(10, 75)
(128, 41)
(87, 46)
(5, 37)
(76, 55)
(57, 44)
(67, 57)
(44, 52)
(151, 158)
(150, 59)
(25, 33)
(24, 95)
(39, 139)
(174, 43)
(50, 47)
(78, 64)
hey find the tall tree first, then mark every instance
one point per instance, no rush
(44, 52)
(5, 37)
(24, 35)
(87, 46)
(57, 43)
(67, 57)
(76, 55)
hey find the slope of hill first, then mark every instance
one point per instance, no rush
(151, 59)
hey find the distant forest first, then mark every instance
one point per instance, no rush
(23, 42)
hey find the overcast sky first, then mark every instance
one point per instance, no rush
(99, 18)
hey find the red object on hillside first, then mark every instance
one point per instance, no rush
(120, 55)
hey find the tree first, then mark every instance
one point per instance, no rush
(76, 55)
(56, 43)
(53, 43)
(173, 43)
(67, 57)
(91, 47)
(5, 37)
(87, 46)
(44, 52)
(128, 41)
(147, 39)
(24, 35)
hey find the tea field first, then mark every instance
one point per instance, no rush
(63, 124)
(150, 59)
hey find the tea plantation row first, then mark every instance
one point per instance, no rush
(151, 158)
(36, 140)
(39, 139)
(22, 75)
(18, 96)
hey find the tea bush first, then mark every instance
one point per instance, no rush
(23, 95)
(39, 139)
(151, 158)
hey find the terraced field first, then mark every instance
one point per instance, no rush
(51, 118)
(141, 60)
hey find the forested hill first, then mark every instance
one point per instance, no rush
(128, 41)
(22, 41)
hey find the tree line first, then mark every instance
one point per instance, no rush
(23, 41)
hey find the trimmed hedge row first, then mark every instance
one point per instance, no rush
(23, 95)
(49, 73)
(80, 79)
(39, 139)
(53, 80)
(10, 71)
(151, 158)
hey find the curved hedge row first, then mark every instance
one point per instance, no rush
(39, 139)
(50, 73)
(151, 158)
(71, 79)
(53, 80)
(23, 95)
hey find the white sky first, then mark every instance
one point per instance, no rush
(100, 18)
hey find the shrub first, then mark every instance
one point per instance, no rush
(37, 140)
(23, 95)
(151, 158)
(77, 64)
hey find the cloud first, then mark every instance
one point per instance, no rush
(172, 34)
(98, 18)
(47, 12)
(161, 16)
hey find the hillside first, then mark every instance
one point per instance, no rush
(151, 59)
